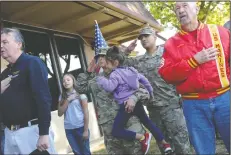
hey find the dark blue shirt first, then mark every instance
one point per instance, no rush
(28, 95)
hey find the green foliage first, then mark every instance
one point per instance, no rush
(211, 12)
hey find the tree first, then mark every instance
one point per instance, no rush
(211, 12)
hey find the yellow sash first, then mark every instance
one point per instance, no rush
(220, 60)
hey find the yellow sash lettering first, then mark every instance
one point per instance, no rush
(220, 60)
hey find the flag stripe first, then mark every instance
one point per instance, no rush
(99, 40)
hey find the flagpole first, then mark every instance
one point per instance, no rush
(96, 22)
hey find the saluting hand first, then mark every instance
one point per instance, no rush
(132, 46)
(92, 65)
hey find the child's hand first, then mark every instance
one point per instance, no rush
(85, 135)
(71, 97)
(129, 105)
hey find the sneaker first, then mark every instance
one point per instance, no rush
(167, 149)
(146, 142)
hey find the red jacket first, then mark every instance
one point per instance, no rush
(192, 80)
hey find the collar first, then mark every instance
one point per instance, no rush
(158, 52)
(200, 26)
(118, 67)
(18, 61)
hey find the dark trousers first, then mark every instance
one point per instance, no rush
(122, 117)
(2, 141)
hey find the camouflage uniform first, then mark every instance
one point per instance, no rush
(106, 109)
(164, 110)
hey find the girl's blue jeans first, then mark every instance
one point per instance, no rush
(75, 139)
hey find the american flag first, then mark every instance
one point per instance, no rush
(99, 40)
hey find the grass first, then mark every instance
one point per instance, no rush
(153, 149)
(220, 148)
(100, 150)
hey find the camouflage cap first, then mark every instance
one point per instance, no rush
(146, 30)
(102, 51)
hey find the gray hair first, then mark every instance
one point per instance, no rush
(16, 34)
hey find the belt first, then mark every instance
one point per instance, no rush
(27, 124)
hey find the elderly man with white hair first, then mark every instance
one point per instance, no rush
(197, 61)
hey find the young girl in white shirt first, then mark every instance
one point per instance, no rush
(76, 117)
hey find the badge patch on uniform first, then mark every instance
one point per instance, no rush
(14, 74)
(161, 62)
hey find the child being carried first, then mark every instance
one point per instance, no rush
(124, 82)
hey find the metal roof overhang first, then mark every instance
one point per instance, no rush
(117, 23)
